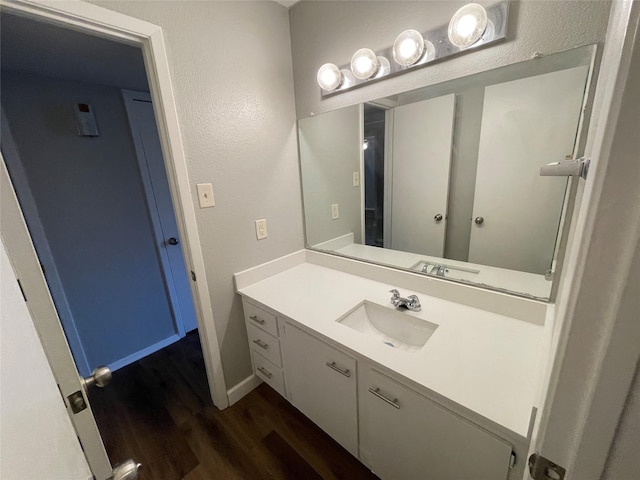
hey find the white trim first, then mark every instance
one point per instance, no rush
(336, 243)
(129, 359)
(245, 387)
(594, 362)
(261, 272)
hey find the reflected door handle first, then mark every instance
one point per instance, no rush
(479, 220)
(173, 241)
(438, 218)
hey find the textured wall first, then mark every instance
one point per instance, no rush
(230, 65)
(330, 150)
(332, 31)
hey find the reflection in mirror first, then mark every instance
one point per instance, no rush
(444, 180)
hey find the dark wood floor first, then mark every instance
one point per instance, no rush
(159, 412)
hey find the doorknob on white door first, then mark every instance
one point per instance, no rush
(479, 220)
(100, 377)
(126, 471)
(438, 218)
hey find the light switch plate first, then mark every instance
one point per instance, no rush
(205, 195)
(261, 229)
(335, 211)
(356, 179)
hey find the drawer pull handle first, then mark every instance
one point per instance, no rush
(262, 345)
(333, 366)
(376, 392)
(265, 372)
(257, 320)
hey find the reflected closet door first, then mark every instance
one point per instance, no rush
(525, 124)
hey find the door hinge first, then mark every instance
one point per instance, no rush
(21, 289)
(541, 468)
(513, 460)
(570, 168)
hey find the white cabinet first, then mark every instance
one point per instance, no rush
(396, 431)
(266, 356)
(406, 436)
(321, 383)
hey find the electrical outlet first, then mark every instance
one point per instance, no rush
(205, 195)
(335, 211)
(261, 229)
(356, 179)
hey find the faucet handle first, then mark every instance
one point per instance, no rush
(396, 293)
(414, 303)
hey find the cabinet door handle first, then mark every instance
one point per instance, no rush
(256, 319)
(265, 346)
(376, 392)
(333, 366)
(265, 372)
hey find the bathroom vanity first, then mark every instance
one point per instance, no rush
(450, 390)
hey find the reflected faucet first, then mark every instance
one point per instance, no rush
(438, 270)
(411, 302)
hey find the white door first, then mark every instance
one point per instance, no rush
(422, 139)
(25, 400)
(525, 124)
(17, 241)
(321, 383)
(154, 177)
(405, 436)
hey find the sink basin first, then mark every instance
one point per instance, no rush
(394, 328)
(459, 273)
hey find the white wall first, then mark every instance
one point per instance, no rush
(332, 31)
(36, 435)
(330, 151)
(230, 65)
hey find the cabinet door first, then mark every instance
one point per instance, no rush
(405, 436)
(321, 383)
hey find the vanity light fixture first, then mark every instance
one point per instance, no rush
(467, 25)
(472, 26)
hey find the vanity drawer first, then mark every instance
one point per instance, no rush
(260, 318)
(268, 373)
(264, 344)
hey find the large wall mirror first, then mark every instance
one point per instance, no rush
(445, 180)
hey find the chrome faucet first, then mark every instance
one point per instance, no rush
(411, 302)
(438, 270)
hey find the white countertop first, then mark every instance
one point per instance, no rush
(485, 362)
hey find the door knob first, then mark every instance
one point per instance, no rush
(479, 220)
(100, 377)
(438, 218)
(127, 470)
(173, 241)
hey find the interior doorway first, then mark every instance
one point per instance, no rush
(95, 196)
(373, 172)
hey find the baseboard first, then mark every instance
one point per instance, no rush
(243, 388)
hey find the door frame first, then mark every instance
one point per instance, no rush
(595, 351)
(93, 20)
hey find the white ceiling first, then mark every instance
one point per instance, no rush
(35, 47)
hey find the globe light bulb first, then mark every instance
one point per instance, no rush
(329, 77)
(467, 25)
(364, 64)
(408, 48)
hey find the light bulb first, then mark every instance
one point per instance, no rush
(408, 48)
(364, 64)
(329, 77)
(467, 25)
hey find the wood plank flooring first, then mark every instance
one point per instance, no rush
(158, 411)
